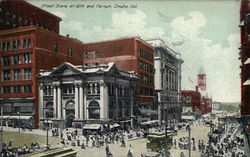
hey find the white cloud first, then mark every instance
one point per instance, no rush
(60, 14)
(220, 63)
(123, 24)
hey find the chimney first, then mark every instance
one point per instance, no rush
(67, 35)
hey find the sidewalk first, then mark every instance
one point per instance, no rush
(33, 132)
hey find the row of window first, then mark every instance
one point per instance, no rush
(121, 90)
(146, 55)
(93, 88)
(16, 74)
(12, 18)
(90, 55)
(16, 89)
(145, 91)
(16, 59)
(15, 45)
(171, 82)
(146, 67)
(149, 80)
(56, 49)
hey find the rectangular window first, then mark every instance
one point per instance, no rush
(6, 89)
(18, 45)
(27, 89)
(24, 43)
(16, 89)
(29, 43)
(8, 45)
(70, 52)
(16, 59)
(27, 74)
(16, 75)
(14, 45)
(6, 60)
(27, 58)
(6, 75)
(3, 46)
(55, 48)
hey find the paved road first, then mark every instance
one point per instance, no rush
(198, 132)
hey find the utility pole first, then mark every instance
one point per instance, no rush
(166, 131)
(189, 140)
(47, 139)
(19, 122)
(1, 139)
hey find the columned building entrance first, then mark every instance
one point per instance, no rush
(70, 113)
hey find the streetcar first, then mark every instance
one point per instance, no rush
(156, 141)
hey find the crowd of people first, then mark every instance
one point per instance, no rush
(230, 143)
(98, 140)
(9, 151)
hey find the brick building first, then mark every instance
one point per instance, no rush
(18, 13)
(190, 100)
(28, 43)
(198, 99)
(245, 56)
(129, 54)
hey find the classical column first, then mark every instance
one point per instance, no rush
(40, 100)
(81, 101)
(132, 97)
(55, 101)
(59, 102)
(103, 100)
(76, 101)
(85, 116)
(116, 101)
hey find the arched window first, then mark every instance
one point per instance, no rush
(94, 110)
(49, 110)
(70, 105)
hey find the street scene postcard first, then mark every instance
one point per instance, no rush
(125, 78)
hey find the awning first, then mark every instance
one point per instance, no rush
(115, 125)
(247, 61)
(247, 82)
(125, 121)
(92, 126)
(149, 122)
(188, 117)
(16, 117)
(241, 24)
(49, 121)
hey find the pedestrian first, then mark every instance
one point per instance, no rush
(107, 150)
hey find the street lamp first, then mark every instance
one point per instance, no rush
(18, 122)
(189, 140)
(1, 138)
(166, 131)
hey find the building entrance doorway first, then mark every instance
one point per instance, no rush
(70, 113)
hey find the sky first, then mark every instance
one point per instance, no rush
(205, 33)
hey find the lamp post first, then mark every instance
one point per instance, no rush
(166, 131)
(18, 122)
(1, 138)
(189, 140)
(47, 136)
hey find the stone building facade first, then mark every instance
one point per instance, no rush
(167, 80)
(74, 96)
